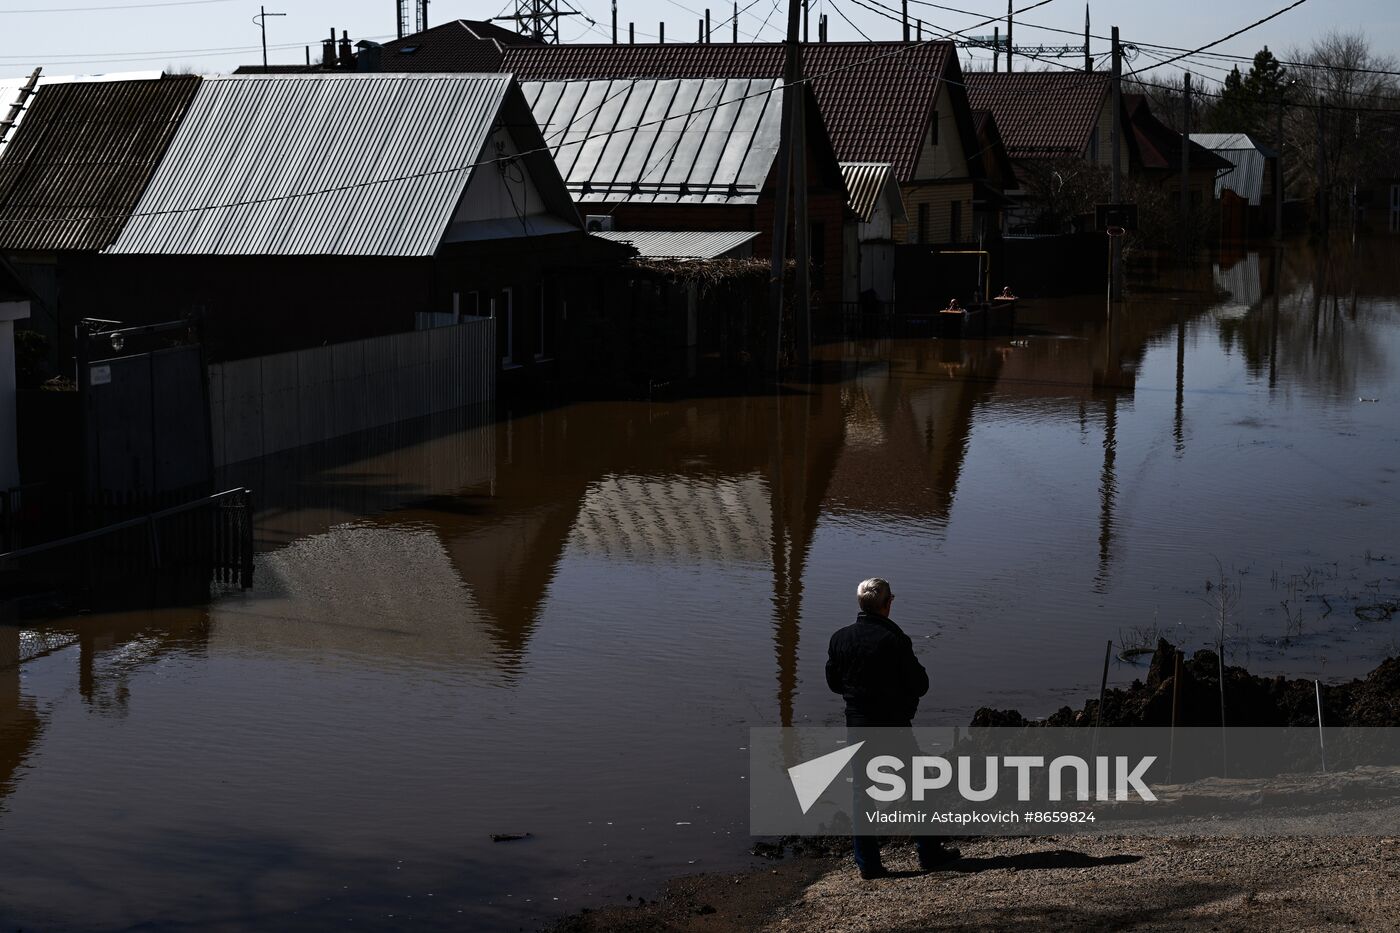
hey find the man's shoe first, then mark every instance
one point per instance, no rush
(940, 858)
(870, 874)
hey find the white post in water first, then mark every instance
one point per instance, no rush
(1321, 742)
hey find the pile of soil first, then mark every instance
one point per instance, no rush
(1250, 700)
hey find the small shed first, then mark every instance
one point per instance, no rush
(875, 207)
(1246, 189)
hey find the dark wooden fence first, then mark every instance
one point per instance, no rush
(186, 548)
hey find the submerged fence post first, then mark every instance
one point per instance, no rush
(1321, 741)
(245, 580)
(1103, 689)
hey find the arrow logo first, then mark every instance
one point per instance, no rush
(811, 778)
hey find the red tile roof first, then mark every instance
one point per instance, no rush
(875, 97)
(1041, 114)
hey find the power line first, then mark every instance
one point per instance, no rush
(1258, 22)
(122, 6)
(841, 13)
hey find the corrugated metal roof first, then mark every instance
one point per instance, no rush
(77, 167)
(1041, 114)
(865, 182)
(10, 88)
(344, 165)
(684, 141)
(876, 98)
(1246, 179)
(680, 244)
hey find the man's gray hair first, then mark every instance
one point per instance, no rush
(873, 594)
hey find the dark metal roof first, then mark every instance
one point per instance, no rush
(457, 45)
(1159, 146)
(1041, 114)
(876, 98)
(81, 160)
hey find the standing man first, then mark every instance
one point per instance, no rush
(871, 663)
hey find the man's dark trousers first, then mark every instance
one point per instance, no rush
(894, 739)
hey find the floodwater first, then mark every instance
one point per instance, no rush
(564, 623)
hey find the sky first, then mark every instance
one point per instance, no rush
(215, 36)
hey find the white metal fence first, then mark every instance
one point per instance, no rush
(272, 403)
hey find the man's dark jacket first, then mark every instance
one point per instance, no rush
(871, 663)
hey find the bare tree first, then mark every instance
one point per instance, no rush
(1347, 111)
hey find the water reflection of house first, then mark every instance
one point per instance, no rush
(341, 597)
(907, 428)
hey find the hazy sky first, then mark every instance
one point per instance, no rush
(80, 36)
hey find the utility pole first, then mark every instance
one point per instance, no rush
(996, 49)
(789, 150)
(1185, 165)
(707, 25)
(806, 16)
(1278, 168)
(1115, 285)
(904, 18)
(614, 24)
(1008, 36)
(1088, 59)
(262, 24)
(735, 22)
(1322, 218)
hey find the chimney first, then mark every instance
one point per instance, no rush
(347, 54)
(328, 56)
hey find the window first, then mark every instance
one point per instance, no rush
(955, 222)
(922, 233)
(933, 130)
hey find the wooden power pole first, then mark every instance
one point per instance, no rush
(1115, 283)
(791, 155)
(1185, 165)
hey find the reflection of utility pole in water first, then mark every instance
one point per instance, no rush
(1108, 489)
(1178, 431)
(19, 721)
(1111, 383)
(1277, 278)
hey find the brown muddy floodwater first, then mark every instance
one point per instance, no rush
(564, 623)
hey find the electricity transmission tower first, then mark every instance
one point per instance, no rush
(539, 19)
(420, 16)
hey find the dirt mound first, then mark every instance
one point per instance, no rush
(1250, 700)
